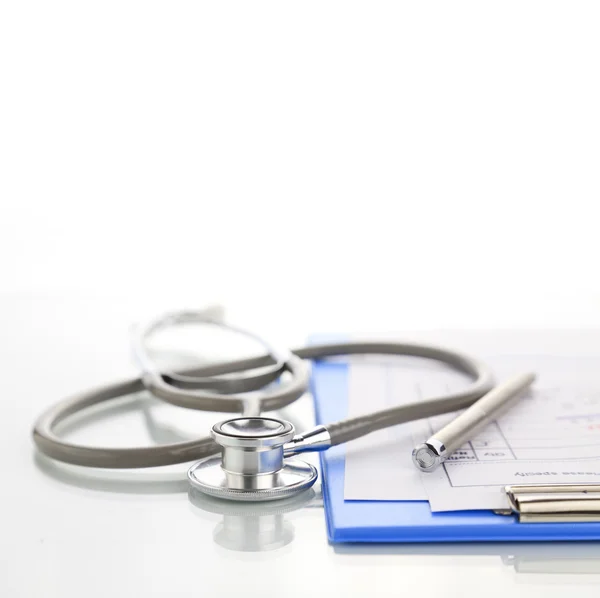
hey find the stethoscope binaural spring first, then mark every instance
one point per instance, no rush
(248, 457)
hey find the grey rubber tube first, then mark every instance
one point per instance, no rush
(283, 394)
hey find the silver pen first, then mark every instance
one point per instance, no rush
(429, 455)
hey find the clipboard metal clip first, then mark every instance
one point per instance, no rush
(554, 503)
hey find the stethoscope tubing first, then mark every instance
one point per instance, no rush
(49, 443)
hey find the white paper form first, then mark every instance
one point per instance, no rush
(379, 466)
(521, 447)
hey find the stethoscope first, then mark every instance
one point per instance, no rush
(248, 457)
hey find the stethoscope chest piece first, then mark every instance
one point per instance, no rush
(252, 466)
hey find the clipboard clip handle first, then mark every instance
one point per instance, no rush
(554, 503)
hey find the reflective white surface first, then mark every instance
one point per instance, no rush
(70, 532)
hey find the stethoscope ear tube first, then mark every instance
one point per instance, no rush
(221, 387)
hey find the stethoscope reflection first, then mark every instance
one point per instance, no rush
(254, 527)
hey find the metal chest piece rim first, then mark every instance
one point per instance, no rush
(252, 467)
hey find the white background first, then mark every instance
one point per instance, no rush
(355, 163)
(316, 166)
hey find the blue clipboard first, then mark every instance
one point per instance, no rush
(408, 521)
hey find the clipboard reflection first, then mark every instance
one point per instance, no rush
(557, 558)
